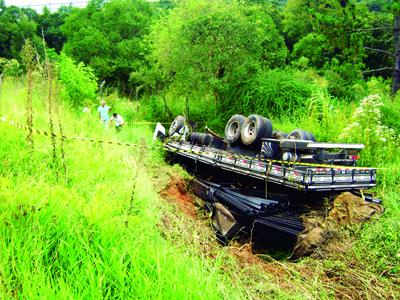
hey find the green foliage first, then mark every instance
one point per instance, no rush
(107, 37)
(327, 27)
(274, 93)
(382, 243)
(78, 81)
(16, 26)
(366, 127)
(51, 24)
(314, 47)
(205, 46)
(79, 239)
(342, 78)
(10, 67)
(378, 39)
(379, 244)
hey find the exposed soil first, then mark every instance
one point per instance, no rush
(176, 193)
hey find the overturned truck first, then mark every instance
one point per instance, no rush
(261, 181)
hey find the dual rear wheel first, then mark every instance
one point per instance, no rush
(248, 131)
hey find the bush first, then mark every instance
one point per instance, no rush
(78, 81)
(342, 79)
(314, 47)
(10, 67)
(366, 127)
(278, 92)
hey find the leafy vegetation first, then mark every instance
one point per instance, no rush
(97, 227)
(83, 235)
(78, 81)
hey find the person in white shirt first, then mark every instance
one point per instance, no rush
(118, 121)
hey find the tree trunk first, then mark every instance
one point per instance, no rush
(396, 71)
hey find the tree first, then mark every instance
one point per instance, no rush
(107, 36)
(389, 10)
(396, 35)
(377, 40)
(50, 25)
(15, 27)
(329, 21)
(206, 46)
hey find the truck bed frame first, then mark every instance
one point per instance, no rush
(294, 175)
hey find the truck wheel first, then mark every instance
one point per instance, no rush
(207, 139)
(300, 134)
(195, 137)
(233, 128)
(255, 128)
(276, 134)
(310, 136)
(176, 125)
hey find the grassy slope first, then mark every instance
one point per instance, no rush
(77, 238)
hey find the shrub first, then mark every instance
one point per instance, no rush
(278, 92)
(314, 47)
(10, 67)
(342, 79)
(78, 81)
(366, 127)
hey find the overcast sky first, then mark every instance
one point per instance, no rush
(39, 4)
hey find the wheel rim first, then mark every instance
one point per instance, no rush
(233, 129)
(250, 130)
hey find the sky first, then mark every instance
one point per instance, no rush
(39, 4)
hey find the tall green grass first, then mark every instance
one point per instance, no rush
(80, 238)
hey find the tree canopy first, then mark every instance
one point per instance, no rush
(207, 45)
(107, 36)
(211, 47)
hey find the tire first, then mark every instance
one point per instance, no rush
(300, 134)
(195, 137)
(310, 136)
(233, 128)
(276, 134)
(176, 125)
(201, 138)
(254, 129)
(207, 139)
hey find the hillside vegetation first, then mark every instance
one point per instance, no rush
(87, 219)
(90, 231)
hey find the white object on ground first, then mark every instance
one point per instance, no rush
(159, 128)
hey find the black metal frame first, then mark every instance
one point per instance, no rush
(292, 175)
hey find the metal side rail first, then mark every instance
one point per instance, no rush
(300, 177)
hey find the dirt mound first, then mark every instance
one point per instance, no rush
(319, 232)
(176, 192)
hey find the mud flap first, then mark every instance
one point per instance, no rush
(224, 223)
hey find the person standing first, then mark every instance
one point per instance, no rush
(103, 113)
